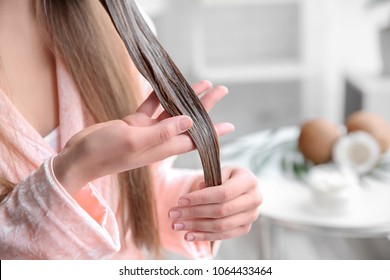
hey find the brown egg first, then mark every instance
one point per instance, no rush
(373, 124)
(316, 140)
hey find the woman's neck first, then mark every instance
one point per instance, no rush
(27, 71)
(16, 11)
(16, 25)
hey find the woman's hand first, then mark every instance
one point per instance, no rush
(219, 212)
(136, 140)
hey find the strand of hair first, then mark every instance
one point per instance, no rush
(175, 94)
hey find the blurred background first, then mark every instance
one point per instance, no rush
(284, 62)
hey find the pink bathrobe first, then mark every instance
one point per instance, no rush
(40, 220)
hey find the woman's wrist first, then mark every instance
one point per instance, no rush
(67, 172)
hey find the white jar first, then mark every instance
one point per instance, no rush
(333, 187)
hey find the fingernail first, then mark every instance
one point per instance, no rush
(183, 202)
(190, 237)
(174, 214)
(185, 123)
(210, 84)
(178, 226)
(225, 88)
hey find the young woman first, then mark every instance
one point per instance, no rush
(83, 170)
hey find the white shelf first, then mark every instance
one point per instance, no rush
(264, 66)
(245, 2)
(286, 70)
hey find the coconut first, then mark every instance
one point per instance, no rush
(316, 140)
(373, 124)
(357, 150)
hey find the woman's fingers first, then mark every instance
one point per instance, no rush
(216, 225)
(209, 99)
(219, 212)
(139, 119)
(215, 219)
(202, 87)
(183, 143)
(223, 128)
(216, 211)
(162, 132)
(151, 105)
(239, 183)
(212, 236)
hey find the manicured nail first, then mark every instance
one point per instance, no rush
(185, 123)
(178, 226)
(190, 237)
(174, 214)
(184, 202)
(231, 126)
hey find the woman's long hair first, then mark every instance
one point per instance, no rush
(80, 33)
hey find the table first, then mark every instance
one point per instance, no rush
(272, 155)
